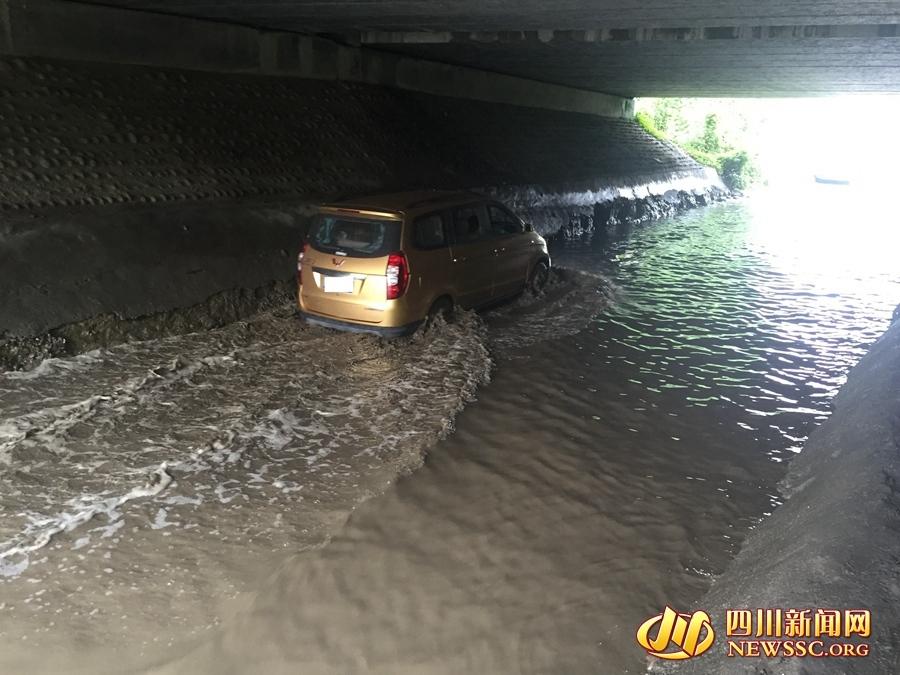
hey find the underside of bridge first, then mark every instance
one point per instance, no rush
(655, 48)
(185, 466)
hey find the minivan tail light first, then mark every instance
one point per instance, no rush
(397, 274)
(300, 257)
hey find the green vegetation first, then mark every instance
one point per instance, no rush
(703, 140)
(646, 121)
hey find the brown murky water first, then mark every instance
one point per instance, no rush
(612, 465)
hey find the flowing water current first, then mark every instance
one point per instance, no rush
(511, 493)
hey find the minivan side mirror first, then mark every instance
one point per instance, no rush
(529, 227)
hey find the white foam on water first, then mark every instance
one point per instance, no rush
(287, 414)
(161, 521)
(569, 303)
(49, 426)
(54, 366)
(42, 529)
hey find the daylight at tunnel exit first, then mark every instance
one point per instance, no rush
(342, 337)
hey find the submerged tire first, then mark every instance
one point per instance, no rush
(539, 277)
(443, 308)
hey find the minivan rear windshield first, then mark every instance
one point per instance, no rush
(354, 237)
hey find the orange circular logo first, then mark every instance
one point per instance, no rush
(675, 636)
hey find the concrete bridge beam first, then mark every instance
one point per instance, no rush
(80, 32)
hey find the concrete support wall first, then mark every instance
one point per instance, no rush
(131, 261)
(132, 190)
(77, 134)
(70, 30)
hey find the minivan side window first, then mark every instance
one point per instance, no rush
(468, 225)
(504, 222)
(428, 232)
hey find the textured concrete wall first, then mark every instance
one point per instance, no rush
(132, 261)
(86, 134)
(133, 190)
(85, 32)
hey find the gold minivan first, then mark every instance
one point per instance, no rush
(387, 264)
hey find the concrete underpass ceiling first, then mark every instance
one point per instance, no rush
(652, 48)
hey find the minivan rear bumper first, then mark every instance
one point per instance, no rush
(350, 327)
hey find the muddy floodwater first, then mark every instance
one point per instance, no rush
(511, 493)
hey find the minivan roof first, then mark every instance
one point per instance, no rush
(400, 202)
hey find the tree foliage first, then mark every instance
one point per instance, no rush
(666, 121)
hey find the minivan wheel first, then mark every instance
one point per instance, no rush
(442, 307)
(540, 275)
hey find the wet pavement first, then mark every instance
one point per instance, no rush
(172, 498)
